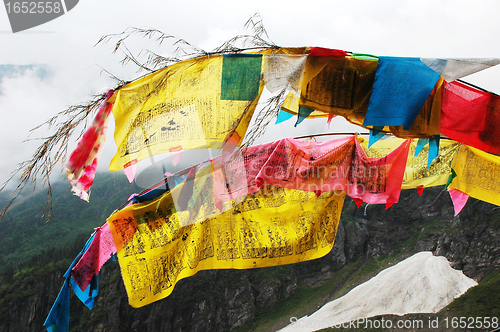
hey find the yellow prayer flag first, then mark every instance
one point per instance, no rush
(197, 103)
(274, 226)
(477, 174)
(416, 172)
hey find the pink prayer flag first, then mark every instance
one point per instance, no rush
(176, 155)
(130, 170)
(91, 262)
(339, 164)
(82, 163)
(459, 199)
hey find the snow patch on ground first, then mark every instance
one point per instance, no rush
(422, 283)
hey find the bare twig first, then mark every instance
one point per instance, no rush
(264, 117)
(54, 147)
(52, 150)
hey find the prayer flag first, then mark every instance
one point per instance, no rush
(416, 172)
(338, 85)
(82, 163)
(459, 200)
(477, 174)
(196, 103)
(304, 112)
(58, 318)
(375, 135)
(283, 116)
(99, 251)
(275, 226)
(284, 72)
(471, 116)
(453, 69)
(401, 87)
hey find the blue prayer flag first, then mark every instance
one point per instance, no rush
(399, 92)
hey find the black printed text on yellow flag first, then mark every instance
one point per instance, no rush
(274, 226)
(196, 103)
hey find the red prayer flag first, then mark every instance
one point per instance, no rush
(420, 190)
(321, 51)
(471, 116)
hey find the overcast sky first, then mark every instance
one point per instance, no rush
(420, 28)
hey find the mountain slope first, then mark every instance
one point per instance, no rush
(25, 232)
(265, 299)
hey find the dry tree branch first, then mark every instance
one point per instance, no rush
(129, 57)
(259, 39)
(256, 23)
(54, 147)
(248, 41)
(159, 37)
(157, 61)
(264, 117)
(52, 150)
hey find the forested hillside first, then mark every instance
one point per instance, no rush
(26, 233)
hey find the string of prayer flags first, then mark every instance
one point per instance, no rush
(471, 116)
(191, 104)
(401, 87)
(453, 69)
(275, 226)
(58, 317)
(477, 174)
(82, 163)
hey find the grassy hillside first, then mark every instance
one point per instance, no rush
(26, 233)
